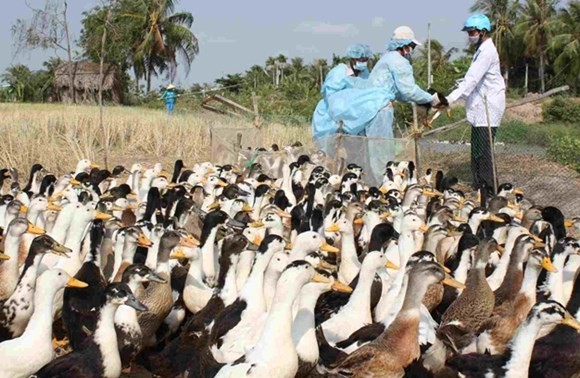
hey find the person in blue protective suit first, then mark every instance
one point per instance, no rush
(369, 110)
(482, 81)
(169, 96)
(344, 75)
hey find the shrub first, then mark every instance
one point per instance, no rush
(565, 150)
(561, 110)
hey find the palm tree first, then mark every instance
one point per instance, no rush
(166, 36)
(298, 70)
(255, 75)
(503, 14)
(319, 67)
(566, 44)
(537, 25)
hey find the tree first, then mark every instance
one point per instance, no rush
(537, 25)
(503, 14)
(566, 43)
(47, 29)
(166, 36)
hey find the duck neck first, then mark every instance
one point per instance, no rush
(40, 324)
(227, 280)
(474, 224)
(118, 255)
(360, 300)
(530, 281)
(348, 257)
(129, 250)
(208, 255)
(278, 326)
(555, 279)
(406, 247)
(153, 251)
(463, 268)
(521, 348)
(270, 279)
(253, 290)
(303, 333)
(62, 223)
(9, 268)
(105, 337)
(33, 214)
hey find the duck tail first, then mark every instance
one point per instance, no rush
(435, 357)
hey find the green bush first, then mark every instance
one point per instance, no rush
(565, 150)
(561, 110)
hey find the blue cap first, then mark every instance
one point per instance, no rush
(358, 51)
(477, 22)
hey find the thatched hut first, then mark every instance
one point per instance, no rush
(86, 76)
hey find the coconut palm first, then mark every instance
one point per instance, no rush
(503, 14)
(566, 43)
(166, 36)
(537, 25)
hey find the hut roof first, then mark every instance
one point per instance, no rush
(86, 75)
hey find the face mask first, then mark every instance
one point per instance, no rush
(360, 66)
(473, 40)
(407, 54)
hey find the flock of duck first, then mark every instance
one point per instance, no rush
(281, 268)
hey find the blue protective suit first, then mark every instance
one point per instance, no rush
(339, 78)
(366, 108)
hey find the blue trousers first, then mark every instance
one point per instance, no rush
(381, 147)
(170, 105)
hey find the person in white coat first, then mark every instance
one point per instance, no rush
(482, 83)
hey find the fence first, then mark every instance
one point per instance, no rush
(519, 161)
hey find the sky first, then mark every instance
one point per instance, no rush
(235, 36)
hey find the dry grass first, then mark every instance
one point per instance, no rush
(57, 136)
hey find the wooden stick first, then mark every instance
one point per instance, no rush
(514, 104)
(491, 144)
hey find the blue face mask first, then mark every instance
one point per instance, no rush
(361, 66)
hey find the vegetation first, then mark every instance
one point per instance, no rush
(565, 150)
(562, 110)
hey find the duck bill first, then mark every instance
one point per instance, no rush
(432, 193)
(383, 190)
(328, 248)
(73, 282)
(102, 216)
(325, 265)
(75, 182)
(500, 249)
(320, 278)
(214, 206)
(341, 287)
(385, 215)
(446, 269)
(519, 191)
(61, 250)
(134, 303)
(247, 208)
(289, 246)
(117, 208)
(495, 218)
(359, 221)
(519, 216)
(424, 228)
(257, 240)
(23, 209)
(538, 245)
(568, 223)
(93, 165)
(143, 241)
(536, 239)
(177, 255)
(53, 207)
(55, 197)
(391, 265)
(222, 184)
(460, 219)
(189, 242)
(570, 321)
(283, 214)
(258, 224)
(153, 277)
(32, 229)
(547, 264)
(450, 281)
(4, 256)
(334, 228)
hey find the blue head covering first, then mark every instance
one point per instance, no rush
(395, 44)
(358, 51)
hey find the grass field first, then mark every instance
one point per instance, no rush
(57, 136)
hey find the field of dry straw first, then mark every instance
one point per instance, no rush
(57, 136)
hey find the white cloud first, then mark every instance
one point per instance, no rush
(378, 22)
(325, 28)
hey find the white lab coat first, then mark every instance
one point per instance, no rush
(482, 78)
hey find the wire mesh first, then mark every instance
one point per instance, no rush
(228, 141)
(526, 165)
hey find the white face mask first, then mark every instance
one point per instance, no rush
(360, 66)
(473, 40)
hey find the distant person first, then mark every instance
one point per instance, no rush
(170, 96)
(343, 76)
(369, 110)
(483, 79)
